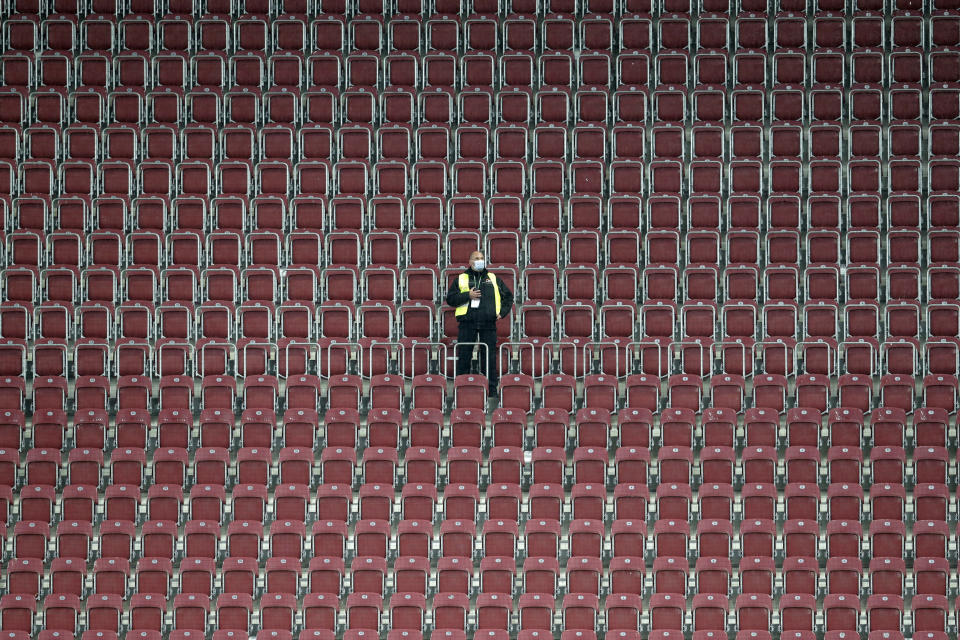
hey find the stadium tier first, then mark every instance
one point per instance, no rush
(229, 406)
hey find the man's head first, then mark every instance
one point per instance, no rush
(477, 262)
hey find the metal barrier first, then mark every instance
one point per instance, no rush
(347, 356)
(330, 357)
(562, 357)
(678, 351)
(512, 358)
(424, 357)
(229, 351)
(597, 357)
(285, 357)
(477, 364)
(721, 353)
(638, 353)
(269, 357)
(379, 358)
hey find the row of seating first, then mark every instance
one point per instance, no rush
(489, 634)
(208, 499)
(343, 427)
(366, 614)
(187, 269)
(412, 574)
(454, 574)
(41, 331)
(589, 106)
(289, 509)
(697, 287)
(371, 32)
(544, 180)
(643, 363)
(583, 575)
(593, 71)
(136, 367)
(455, 220)
(861, 144)
(380, 466)
(350, 248)
(266, 9)
(574, 332)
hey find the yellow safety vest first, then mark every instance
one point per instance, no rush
(464, 282)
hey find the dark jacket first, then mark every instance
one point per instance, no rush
(486, 312)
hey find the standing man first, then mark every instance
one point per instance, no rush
(481, 299)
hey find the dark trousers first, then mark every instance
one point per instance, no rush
(469, 333)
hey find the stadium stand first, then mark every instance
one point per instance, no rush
(729, 389)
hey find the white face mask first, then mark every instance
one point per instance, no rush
(478, 265)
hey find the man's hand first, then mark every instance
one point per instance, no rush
(474, 293)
